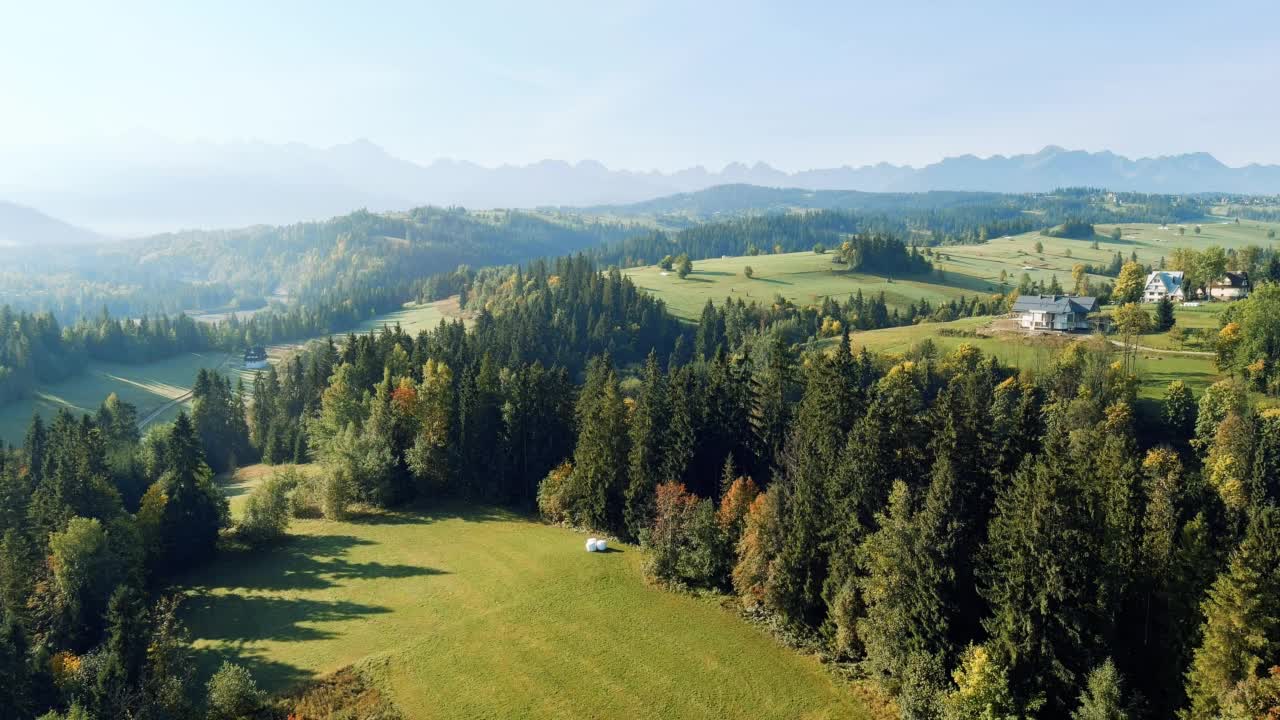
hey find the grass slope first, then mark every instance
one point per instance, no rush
(1016, 254)
(474, 612)
(967, 270)
(1035, 352)
(155, 386)
(802, 277)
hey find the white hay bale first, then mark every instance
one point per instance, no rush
(591, 545)
(601, 545)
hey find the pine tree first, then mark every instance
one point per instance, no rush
(649, 421)
(1041, 562)
(908, 583)
(1164, 314)
(1103, 698)
(125, 654)
(1242, 619)
(600, 459)
(16, 691)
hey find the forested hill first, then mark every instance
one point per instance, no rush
(937, 218)
(235, 268)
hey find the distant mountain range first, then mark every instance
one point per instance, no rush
(169, 186)
(23, 226)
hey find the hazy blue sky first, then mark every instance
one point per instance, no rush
(652, 85)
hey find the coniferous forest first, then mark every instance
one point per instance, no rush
(970, 539)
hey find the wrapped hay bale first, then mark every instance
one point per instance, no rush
(601, 546)
(591, 545)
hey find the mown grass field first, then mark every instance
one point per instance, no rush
(966, 270)
(803, 277)
(464, 612)
(153, 386)
(1016, 254)
(1035, 352)
(149, 387)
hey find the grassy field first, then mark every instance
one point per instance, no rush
(476, 612)
(155, 386)
(1035, 353)
(150, 387)
(1016, 254)
(803, 278)
(967, 270)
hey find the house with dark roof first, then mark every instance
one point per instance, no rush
(1232, 286)
(1163, 284)
(255, 358)
(1063, 313)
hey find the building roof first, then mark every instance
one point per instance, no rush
(1055, 304)
(1170, 279)
(1234, 280)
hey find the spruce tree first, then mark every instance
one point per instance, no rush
(600, 459)
(1103, 697)
(1040, 567)
(648, 428)
(1241, 619)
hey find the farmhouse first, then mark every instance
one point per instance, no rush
(1163, 284)
(1233, 286)
(1054, 312)
(255, 358)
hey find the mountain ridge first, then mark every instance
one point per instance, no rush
(207, 185)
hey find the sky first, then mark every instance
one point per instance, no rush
(644, 85)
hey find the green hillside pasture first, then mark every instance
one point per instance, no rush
(151, 387)
(804, 278)
(155, 386)
(1035, 352)
(466, 612)
(1016, 254)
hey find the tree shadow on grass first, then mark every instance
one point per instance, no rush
(231, 617)
(307, 562)
(271, 675)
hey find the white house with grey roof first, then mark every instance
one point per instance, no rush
(1064, 313)
(1163, 284)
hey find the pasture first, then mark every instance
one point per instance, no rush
(804, 278)
(459, 611)
(1016, 254)
(160, 389)
(1034, 353)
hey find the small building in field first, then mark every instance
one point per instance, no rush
(1063, 313)
(255, 358)
(1163, 284)
(1232, 286)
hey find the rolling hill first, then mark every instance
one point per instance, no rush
(21, 226)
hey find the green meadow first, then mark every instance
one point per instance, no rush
(1035, 353)
(1016, 254)
(462, 612)
(160, 389)
(803, 277)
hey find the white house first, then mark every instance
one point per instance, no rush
(1163, 284)
(1233, 286)
(1064, 313)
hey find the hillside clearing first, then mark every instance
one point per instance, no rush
(479, 612)
(160, 389)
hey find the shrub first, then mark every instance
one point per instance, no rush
(553, 494)
(267, 510)
(233, 694)
(325, 495)
(687, 546)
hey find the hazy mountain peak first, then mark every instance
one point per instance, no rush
(206, 185)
